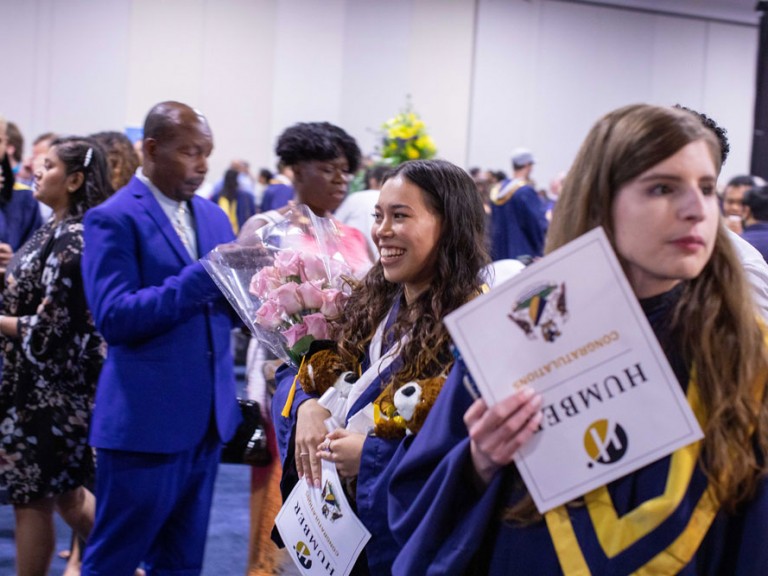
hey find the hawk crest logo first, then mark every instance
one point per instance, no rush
(542, 307)
(331, 508)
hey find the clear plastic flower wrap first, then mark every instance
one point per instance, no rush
(286, 280)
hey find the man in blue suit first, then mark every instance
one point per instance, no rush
(166, 399)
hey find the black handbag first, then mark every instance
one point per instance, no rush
(249, 444)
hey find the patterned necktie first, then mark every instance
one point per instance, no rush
(185, 232)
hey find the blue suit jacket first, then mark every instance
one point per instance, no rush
(169, 369)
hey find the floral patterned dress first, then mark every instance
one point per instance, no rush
(50, 372)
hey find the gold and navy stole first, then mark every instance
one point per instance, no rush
(504, 194)
(230, 208)
(660, 536)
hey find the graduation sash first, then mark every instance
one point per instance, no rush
(504, 193)
(617, 535)
(668, 524)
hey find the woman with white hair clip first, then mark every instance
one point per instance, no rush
(52, 358)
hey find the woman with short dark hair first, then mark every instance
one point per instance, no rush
(322, 158)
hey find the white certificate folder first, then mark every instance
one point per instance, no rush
(570, 327)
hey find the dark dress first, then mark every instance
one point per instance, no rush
(51, 369)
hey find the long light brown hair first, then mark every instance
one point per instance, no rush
(715, 318)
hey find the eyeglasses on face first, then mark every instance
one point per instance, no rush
(332, 169)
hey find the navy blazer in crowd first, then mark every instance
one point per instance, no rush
(169, 368)
(757, 235)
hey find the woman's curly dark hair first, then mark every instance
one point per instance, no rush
(461, 255)
(96, 186)
(323, 141)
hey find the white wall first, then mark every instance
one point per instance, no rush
(543, 84)
(69, 70)
(416, 48)
(486, 75)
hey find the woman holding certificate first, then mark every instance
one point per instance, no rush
(429, 232)
(647, 175)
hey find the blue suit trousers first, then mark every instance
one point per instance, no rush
(152, 508)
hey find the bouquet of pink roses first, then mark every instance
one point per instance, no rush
(299, 293)
(286, 282)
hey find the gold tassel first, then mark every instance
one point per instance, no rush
(289, 401)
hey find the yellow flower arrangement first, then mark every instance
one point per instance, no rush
(405, 138)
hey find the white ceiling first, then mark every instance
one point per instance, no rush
(737, 11)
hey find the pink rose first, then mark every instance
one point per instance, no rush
(269, 314)
(313, 268)
(311, 294)
(263, 281)
(287, 296)
(287, 263)
(295, 333)
(333, 303)
(317, 326)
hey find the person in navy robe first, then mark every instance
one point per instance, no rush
(457, 504)
(19, 211)
(428, 229)
(756, 219)
(518, 216)
(237, 204)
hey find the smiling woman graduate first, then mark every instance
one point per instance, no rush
(646, 174)
(429, 231)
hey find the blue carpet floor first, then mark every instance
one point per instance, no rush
(226, 551)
